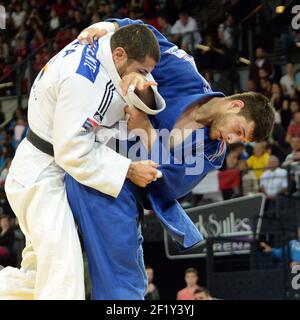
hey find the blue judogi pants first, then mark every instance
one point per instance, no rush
(112, 238)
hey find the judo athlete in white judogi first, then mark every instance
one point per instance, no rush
(75, 93)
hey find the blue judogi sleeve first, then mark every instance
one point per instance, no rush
(192, 168)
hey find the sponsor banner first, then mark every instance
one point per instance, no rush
(237, 219)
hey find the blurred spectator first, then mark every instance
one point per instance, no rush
(21, 49)
(191, 279)
(231, 160)
(95, 18)
(274, 180)
(227, 33)
(277, 142)
(294, 128)
(4, 52)
(240, 150)
(60, 8)
(203, 293)
(55, 48)
(38, 37)
(18, 16)
(164, 25)
(151, 19)
(22, 33)
(276, 96)
(69, 19)
(62, 38)
(185, 32)
(2, 115)
(277, 135)
(210, 78)
(34, 19)
(279, 253)
(38, 64)
(229, 175)
(135, 13)
(261, 62)
(252, 85)
(18, 130)
(286, 114)
(288, 38)
(7, 238)
(294, 106)
(152, 291)
(266, 86)
(229, 183)
(249, 181)
(210, 56)
(6, 152)
(79, 23)
(292, 163)
(161, 5)
(228, 38)
(4, 172)
(2, 158)
(6, 71)
(54, 23)
(259, 160)
(294, 156)
(5, 137)
(274, 148)
(287, 81)
(297, 79)
(18, 114)
(263, 74)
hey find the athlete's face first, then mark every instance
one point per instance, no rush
(231, 128)
(140, 67)
(125, 65)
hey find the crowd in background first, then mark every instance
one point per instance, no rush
(45, 27)
(192, 291)
(49, 25)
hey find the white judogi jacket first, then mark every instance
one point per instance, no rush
(75, 94)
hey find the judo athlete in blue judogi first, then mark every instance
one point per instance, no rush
(109, 226)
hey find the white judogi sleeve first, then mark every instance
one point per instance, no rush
(75, 149)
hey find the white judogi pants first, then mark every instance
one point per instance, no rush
(52, 265)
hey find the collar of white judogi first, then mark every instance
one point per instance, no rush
(104, 54)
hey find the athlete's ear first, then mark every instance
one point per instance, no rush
(235, 106)
(119, 55)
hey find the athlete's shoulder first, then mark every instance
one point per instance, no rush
(77, 59)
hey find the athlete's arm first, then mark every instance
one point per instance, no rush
(89, 162)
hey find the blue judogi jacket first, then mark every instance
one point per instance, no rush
(181, 85)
